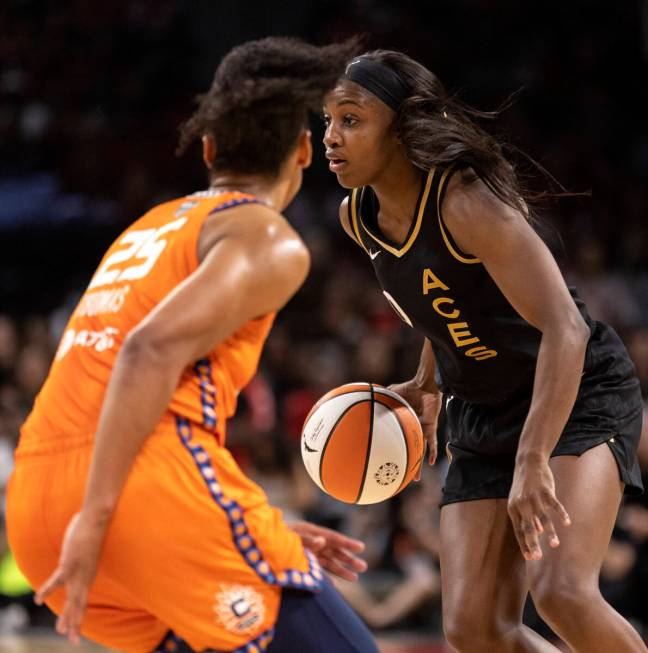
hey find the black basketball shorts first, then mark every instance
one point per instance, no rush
(483, 439)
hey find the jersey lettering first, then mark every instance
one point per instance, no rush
(98, 340)
(102, 301)
(459, 331)
(445, 300)
(461, 334)
(145, 245)
(431, 281)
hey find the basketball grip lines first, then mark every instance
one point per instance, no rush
(369, 439)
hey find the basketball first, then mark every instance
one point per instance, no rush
(362, 443)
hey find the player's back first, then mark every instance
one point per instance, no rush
(144, 264)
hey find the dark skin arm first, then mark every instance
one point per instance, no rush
(344, 220)
(528, 276)
(425, 398)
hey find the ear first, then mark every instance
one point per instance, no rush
(305, 149)
(209, 150)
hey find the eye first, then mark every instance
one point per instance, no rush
(349, 120)
(326, 120)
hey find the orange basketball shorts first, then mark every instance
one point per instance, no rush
(193, 546)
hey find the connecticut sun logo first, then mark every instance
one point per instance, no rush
(239, 608)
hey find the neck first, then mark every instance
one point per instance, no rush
(397, 189)
(271, 191)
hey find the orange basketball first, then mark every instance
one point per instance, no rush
(362, 443)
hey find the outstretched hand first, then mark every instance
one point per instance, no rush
(533, 507)
(335, 552)
(427, 405)
(75, 572)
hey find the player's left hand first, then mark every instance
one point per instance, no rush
(76, 571)
(533, 507)
(335, 552)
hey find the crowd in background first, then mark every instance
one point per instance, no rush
(90, 99)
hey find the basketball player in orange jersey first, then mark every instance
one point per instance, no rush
(125, 507)
(543, 405)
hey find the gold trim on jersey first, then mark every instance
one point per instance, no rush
(398, 252)
(354, 219)
(446, 240)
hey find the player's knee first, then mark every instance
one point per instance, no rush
(469, 631)
(469, 641)
(562, 597)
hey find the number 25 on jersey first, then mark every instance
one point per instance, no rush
(144, 247)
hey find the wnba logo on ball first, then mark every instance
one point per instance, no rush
(387, 474)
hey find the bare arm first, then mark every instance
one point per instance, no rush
(425, 375)
(228, 289)
(425, 398)
(528, 276)
(344, 218)
(346, 222)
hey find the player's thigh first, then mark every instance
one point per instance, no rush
(112, 618)
(589, 487)
(192, 555)
(128, 629)
(319, 623)
(43, 496)
(482, 569)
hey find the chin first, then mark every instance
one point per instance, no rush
(348, 181)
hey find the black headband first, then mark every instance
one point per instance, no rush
(385, 83)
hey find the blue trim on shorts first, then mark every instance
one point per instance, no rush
(203, 370)
(257, 645)
(171, 644)
(241, 536)
(174, 644)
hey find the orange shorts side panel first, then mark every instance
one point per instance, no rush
(193, 546)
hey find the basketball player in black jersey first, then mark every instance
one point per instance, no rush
(543, 407)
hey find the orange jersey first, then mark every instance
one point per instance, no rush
(142, 266)
(185, 500)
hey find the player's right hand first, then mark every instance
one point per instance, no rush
(336, 552)
(76, 571)
(427, 405)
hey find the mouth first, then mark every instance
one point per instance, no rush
(336, 165)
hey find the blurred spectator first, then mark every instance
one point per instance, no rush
(402, 586)
(607, 295)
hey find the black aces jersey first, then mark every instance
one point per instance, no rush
(484, 350)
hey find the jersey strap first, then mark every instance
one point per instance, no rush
(452, 246)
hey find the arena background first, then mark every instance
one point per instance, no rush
(90, 98)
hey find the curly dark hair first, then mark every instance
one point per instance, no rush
(437, 128)
(260, 98)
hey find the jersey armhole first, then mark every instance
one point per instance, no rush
(449, 241)
(352, 212)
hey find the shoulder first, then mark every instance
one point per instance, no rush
(473, 213)
(254, 229)
(345, 217)
(347, 220)
(469, 198)
(481, 223)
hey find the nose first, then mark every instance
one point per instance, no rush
(331, 136)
